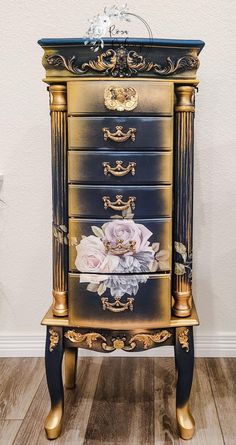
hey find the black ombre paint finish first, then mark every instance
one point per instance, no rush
(184, 361)
(152, 133)
(151, 305)
(71, 65)
(86, 167)
(151, 201)
(53, 362)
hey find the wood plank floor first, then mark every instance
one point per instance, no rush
(128, 401)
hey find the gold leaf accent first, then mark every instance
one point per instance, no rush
(148, 339)
(184, 339)
(89, 338)
(54, 339)
(118, 343)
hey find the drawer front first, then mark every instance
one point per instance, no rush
(120, 97)
(119, 301)
(120, 168)
(120, 245)
(120, 133)
(100, 201)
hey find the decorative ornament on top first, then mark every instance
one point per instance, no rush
(105, 25)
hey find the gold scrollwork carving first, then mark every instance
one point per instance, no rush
(117, 305)
(123, 63)
(119, 135)
(184, 339)
(89, 338)
(54, 339)
(119, 169)
(109, 345)
(120, 99)
(148, 339)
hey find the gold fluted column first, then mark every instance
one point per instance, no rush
(183, 200)
(58, 107)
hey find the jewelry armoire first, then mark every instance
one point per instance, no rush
(122, 138)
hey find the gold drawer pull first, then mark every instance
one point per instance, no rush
(120, 98)
(119, 248)
(119, 204)
(119, 170)
(119, 135)
(117, 305)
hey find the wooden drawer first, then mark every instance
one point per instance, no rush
(120, 97)
(145, 133)
(100, 201)
(103, 246)
(120, 168)
(141, 301)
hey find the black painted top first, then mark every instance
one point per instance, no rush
(131, 41)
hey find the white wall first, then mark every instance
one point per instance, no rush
(25, 219)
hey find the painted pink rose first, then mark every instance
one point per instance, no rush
(127, 230)
(91, 256)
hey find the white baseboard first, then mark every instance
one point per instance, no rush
(28, 345)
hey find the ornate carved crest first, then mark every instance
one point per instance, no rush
(120, 99)
(123, 63)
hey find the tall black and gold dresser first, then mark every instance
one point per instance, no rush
(122, 133)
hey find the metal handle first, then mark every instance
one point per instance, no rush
(117, 305)
(119, 204)
(119, 248)
(119, 135)
(119, 170)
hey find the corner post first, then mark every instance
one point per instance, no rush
(183, 200)
(58, 107)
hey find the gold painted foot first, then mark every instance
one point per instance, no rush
(185, 422)
(53, 422)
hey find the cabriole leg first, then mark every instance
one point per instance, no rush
(71, 355)
(53, 363)
(184, 360)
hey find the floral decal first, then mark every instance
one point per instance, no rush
(185, 263)
(120, 246)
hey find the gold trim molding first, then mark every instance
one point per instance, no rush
(123, 63)
(54, 339)
(147, 340)
(184, 339)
